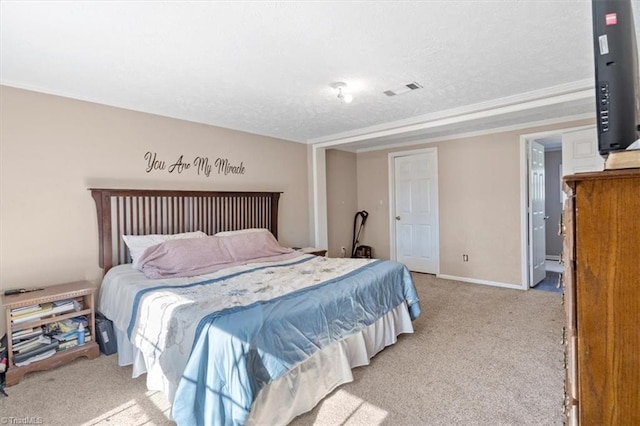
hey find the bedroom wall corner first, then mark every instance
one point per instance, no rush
(53, 148)
(373, 196)
(342, 200)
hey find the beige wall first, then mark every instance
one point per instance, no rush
(52, 149)
(479, 203)
(479, 188)
(343, 203)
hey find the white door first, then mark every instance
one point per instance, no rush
(537, 215)
(416, 211)
(580, 152)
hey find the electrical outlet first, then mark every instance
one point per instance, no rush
(343, 250)
(465, 257)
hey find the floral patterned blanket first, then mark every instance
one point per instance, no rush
(219, 338)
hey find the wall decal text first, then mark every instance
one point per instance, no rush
(201, 165)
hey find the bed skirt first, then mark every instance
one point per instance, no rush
(300, 389)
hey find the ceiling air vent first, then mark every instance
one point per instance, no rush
(403, 89)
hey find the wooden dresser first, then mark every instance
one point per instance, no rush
(602, 298)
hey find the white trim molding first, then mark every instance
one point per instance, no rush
(524, 212)
(483, 282)
(319, 170)
(560, 94)
(454, 136)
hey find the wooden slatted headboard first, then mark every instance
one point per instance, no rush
(141, 212)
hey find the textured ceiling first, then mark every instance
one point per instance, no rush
(265, 67)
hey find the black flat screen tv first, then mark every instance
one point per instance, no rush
(616, 75)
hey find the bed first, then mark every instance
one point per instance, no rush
(259, 337)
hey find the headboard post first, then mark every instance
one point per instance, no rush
(141, 211)
(103, 207)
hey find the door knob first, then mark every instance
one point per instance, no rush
(397, 217)
(546, 217)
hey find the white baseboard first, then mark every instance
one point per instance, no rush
(552, 257)
(483, 282)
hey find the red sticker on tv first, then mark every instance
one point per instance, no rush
(611, 19)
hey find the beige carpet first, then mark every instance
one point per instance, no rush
(479, 356)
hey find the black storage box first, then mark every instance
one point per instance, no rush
(105, 336)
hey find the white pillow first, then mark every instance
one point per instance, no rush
(241, 231)
(137, 244)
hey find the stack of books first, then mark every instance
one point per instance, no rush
(71, 340)
(27, 348)
(25, 334)
(38, 311)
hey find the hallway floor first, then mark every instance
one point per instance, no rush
(550, 283)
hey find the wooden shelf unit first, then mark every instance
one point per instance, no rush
(602, 298)
(82, 291)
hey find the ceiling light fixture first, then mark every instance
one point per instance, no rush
(341, 87)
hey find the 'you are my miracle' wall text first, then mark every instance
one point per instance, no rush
(201, 165)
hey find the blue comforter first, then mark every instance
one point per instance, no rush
(237, 351)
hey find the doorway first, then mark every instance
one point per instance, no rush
(553, 211)
(566, 151)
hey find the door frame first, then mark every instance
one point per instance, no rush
(392, 200)
(524, 196)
